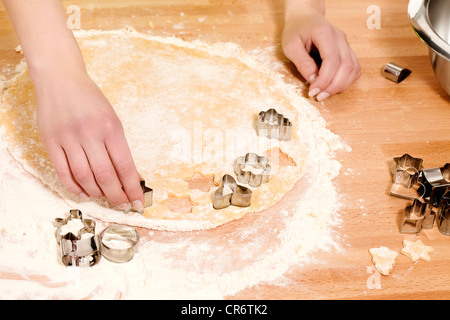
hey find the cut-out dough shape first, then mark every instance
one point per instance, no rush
(416, 250)
(384, 259)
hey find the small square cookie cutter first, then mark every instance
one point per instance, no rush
(230, 193)
(252, 169)
(273, 125)
(80, 246)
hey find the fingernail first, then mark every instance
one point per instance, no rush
(313, 92)
(124, 206)
(137, 204)
(83, 196)
(312, 78)
(322, 96)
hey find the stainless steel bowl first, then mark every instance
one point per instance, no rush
(431, 21)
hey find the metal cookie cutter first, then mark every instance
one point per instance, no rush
(395, 73)
(443, 215)
(413, 217)
(148, 194)
(429, 217)
(435, 182)
(407, 170)
(252, 169)
(406, 174)
(273, 125)
(78, 242)
(148, 198)
(230, 193)
(119, 243)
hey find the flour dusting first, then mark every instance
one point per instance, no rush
(210, 264)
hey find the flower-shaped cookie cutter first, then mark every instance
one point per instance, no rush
(230, 193)
(252, 169)
(273, 125)
(77, 239)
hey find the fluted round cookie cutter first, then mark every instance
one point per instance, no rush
(119, 243)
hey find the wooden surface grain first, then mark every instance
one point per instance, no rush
(376, 117)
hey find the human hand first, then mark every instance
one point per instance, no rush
(85, 140)
(339, 69)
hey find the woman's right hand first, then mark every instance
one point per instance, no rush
(85, 139)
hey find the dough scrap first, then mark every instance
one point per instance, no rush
(384, 259)
(180, 103)
(416, 250)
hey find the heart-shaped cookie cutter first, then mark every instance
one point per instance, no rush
(230, 193)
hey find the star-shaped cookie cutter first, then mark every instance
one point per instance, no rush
(407, 170)
(406, 175)
(252, 169)
(80, 247)
(230, 193)
(273, 125)
(148, 199)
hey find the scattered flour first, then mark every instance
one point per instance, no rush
(169, 265)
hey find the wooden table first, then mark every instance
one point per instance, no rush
(376, 117)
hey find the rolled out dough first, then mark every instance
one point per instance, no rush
(188, 109)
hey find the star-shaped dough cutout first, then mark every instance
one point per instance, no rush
(180, 204)
(384, 259)
(416, 250)
(201, 182)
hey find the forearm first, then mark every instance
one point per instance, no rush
(294, 8)
(46, 41)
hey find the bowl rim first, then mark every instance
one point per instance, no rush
(418, 16)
